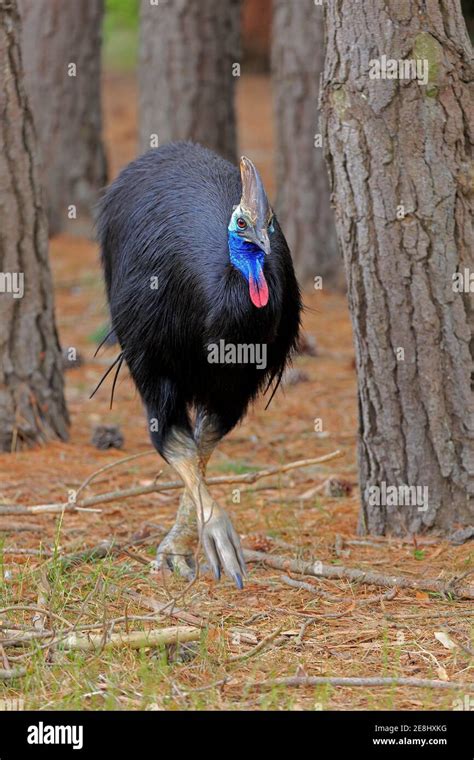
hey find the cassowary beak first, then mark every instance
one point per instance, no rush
(264, 241)
(254, 203)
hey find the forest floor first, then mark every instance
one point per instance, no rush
(333, 628)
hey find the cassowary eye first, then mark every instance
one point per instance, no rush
(241, 223)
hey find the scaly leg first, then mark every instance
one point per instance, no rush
(219, 539)
(177, 548)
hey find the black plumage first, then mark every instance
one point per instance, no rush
(173, 291)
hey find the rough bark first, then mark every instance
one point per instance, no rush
(395, 145)
(303, 199)
(186, 78)
(66, 109)
(32, 406)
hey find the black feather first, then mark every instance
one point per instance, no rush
(166, 217)
(104, 340)
(119, 359)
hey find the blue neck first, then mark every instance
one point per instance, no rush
(247, 257)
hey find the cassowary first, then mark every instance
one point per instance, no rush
(194, 257)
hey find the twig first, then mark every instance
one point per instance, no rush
(103, 550)
(318, 570)
(109, 466)
(213, 685)
(388, 595)
(261, 645)
(100, 551)
(18, 638)
(303, 628)
(5, 675)
(33, 608)
(134, 640)
(3, 654)
(44, 590)
(27, 552)
(161, 607)
(246, 478)
(424, 683)
(21, 528)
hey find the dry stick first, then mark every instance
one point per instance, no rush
(336, 681)
(11, 673)
(261, 645)
(246, 478)
(18, 638)
(318, 570)
(160, 607)
(97, 642)
(103, 550)
(213, 685)
(44, 591)
(27, 552)
(387, 596)
(109, 466)
(303, 628)
(3, 654)
(33, 608)
(134, 640)
(21, 528)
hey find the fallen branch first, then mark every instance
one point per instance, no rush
(21, 528)
(134, 640)
(40, 619)
(18, 638)
(387, 596)
(6, 675)
(110, 465)
(27, 552)
(319, 570)
(423, 683)
(100, 551)
(161, 607)
(85, 504)
(261, 645)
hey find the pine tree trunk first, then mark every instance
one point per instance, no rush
(66, 109)
(400, 159)
(303, 199)
(186, 76)
(32, 406)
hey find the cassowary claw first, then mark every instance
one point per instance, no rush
(223, 550)
(175, 553)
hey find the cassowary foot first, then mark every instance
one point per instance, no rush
(222, 546)
(176, 551)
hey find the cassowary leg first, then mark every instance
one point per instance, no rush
(219, 539)
(177, 548)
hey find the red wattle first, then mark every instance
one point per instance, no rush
(258, 291)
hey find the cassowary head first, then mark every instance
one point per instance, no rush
(250, 227)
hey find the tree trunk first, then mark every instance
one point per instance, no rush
(400, 159)
(303, 200)
(66, 105)
(186, 73)
(32, 406)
